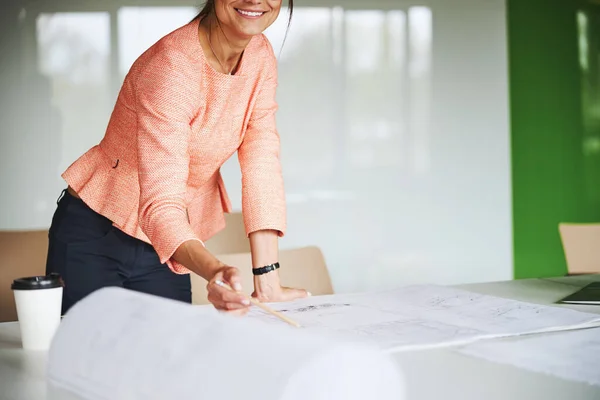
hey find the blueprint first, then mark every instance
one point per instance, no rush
(573, 355)
(425, 316)
(122, 344)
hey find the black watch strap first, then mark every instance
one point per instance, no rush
(266, 269)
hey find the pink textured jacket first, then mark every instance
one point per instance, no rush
(156, 173)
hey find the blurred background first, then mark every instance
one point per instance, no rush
(434, 141)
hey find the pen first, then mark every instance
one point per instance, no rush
(262, 306)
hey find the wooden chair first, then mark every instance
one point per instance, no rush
(232, 239)
(302, 268)
(581, 244)
(21, 254)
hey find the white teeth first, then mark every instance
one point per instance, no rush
(250, 13)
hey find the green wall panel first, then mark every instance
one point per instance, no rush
(554, 129)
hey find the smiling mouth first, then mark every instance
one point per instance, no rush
(250, 14)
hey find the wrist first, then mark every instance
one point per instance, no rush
(258, 271)
(193, 255)
(267, 284)
(209, 266)
(267, 275)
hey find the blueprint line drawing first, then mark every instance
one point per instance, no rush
(315, 307)
(572, 355)
(426, 316)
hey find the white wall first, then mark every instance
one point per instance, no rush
(394, 126)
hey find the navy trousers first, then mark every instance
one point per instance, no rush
(90, 253)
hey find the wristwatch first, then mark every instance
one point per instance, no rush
(266, 269)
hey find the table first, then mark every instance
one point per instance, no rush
(22, 373)
(445, 374)
(431, 374)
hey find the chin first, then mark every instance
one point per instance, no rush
(249, 31)
(245, 27)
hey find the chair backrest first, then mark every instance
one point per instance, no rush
(21, 254)
(581, 244)
(302, 268)
(232, 239)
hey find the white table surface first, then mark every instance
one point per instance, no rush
(449, 375)
(431, 374)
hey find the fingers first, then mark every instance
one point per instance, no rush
(284, 294)
(291, 294)
(232, 277)
(229, 296)
(224, 298)
(236, 313)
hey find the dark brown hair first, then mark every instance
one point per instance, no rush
(209, 7)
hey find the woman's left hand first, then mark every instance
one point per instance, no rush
(267, 288)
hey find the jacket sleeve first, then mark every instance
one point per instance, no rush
(165, 106)
(263, 197)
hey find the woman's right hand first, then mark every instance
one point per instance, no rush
(224, 299)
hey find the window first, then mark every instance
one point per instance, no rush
(354, 92)
(74, 64)
(141, 27)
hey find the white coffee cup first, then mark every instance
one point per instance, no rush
(39, 301)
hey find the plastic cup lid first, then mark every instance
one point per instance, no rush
(38, 282)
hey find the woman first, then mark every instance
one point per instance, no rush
(139, 204)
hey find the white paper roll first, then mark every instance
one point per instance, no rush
(118, 344)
